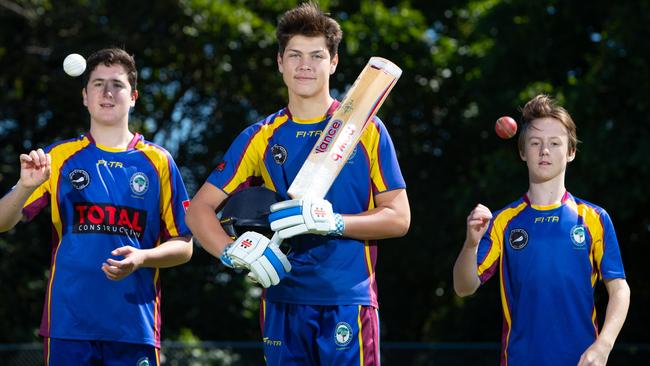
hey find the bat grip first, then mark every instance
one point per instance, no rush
(275, 240)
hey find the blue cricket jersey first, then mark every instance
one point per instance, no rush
(326, 270)
(102, 199)
(549, 259)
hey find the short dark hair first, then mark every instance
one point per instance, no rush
(543, 106)
(308, 20)
(111, 56)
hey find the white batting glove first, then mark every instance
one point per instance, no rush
(269, 269)
(308, 215)
(245, 250)
(262, 257)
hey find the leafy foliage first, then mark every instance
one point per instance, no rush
(208, 69)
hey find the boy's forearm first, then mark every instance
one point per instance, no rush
(466, 281)
(617, 307)
(171, 253)
(11, 206)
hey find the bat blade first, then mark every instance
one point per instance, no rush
(342, 133)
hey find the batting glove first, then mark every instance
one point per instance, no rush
(308, 215)
(262, 257)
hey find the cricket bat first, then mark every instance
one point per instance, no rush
(342, 133)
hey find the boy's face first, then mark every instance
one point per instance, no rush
(546, 150)
(108, 95)
(306, 66)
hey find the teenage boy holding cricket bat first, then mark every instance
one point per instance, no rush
(324, 308)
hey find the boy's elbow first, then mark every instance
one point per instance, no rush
(466, 289)
(402, 227)
(463, 292)
(188, 252)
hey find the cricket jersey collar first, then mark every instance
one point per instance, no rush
(134, 141)
(566, 196)
(329, 112)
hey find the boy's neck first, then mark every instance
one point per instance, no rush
(116, 137)
(546, 193)
(309, 108)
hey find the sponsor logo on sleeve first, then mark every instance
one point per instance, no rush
(221, 166)
(518, 238)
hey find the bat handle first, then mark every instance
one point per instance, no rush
(275, 240)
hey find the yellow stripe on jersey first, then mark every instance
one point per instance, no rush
(370, 142)
(60, 154)
(497, 233)
(366, 246)
(496, 236)
(160, 161)
(253, 155)
(360, 336)
(592, 222)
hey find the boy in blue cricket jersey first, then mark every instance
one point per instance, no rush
(550, 248)
(323, 307)
(118, 213)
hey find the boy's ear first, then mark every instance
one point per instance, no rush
(522, 155)
(279, 60)
(334, 63)
(572, 155)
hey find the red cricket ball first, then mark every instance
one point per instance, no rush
(506, 127)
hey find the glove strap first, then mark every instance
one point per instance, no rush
(225, 258)
(340, 225)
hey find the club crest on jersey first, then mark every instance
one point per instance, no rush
(518, 238)
(139, 183)
(279, 154)
(578, 235)
(342, 334)
(79, 179)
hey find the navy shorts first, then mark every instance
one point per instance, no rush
(65, 352)
(296, 334)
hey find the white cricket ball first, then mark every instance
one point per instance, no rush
(74, 64)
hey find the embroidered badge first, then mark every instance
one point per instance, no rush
(79, 179)
(518, 238)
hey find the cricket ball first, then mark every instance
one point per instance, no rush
(506, 127)
(74, 64)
